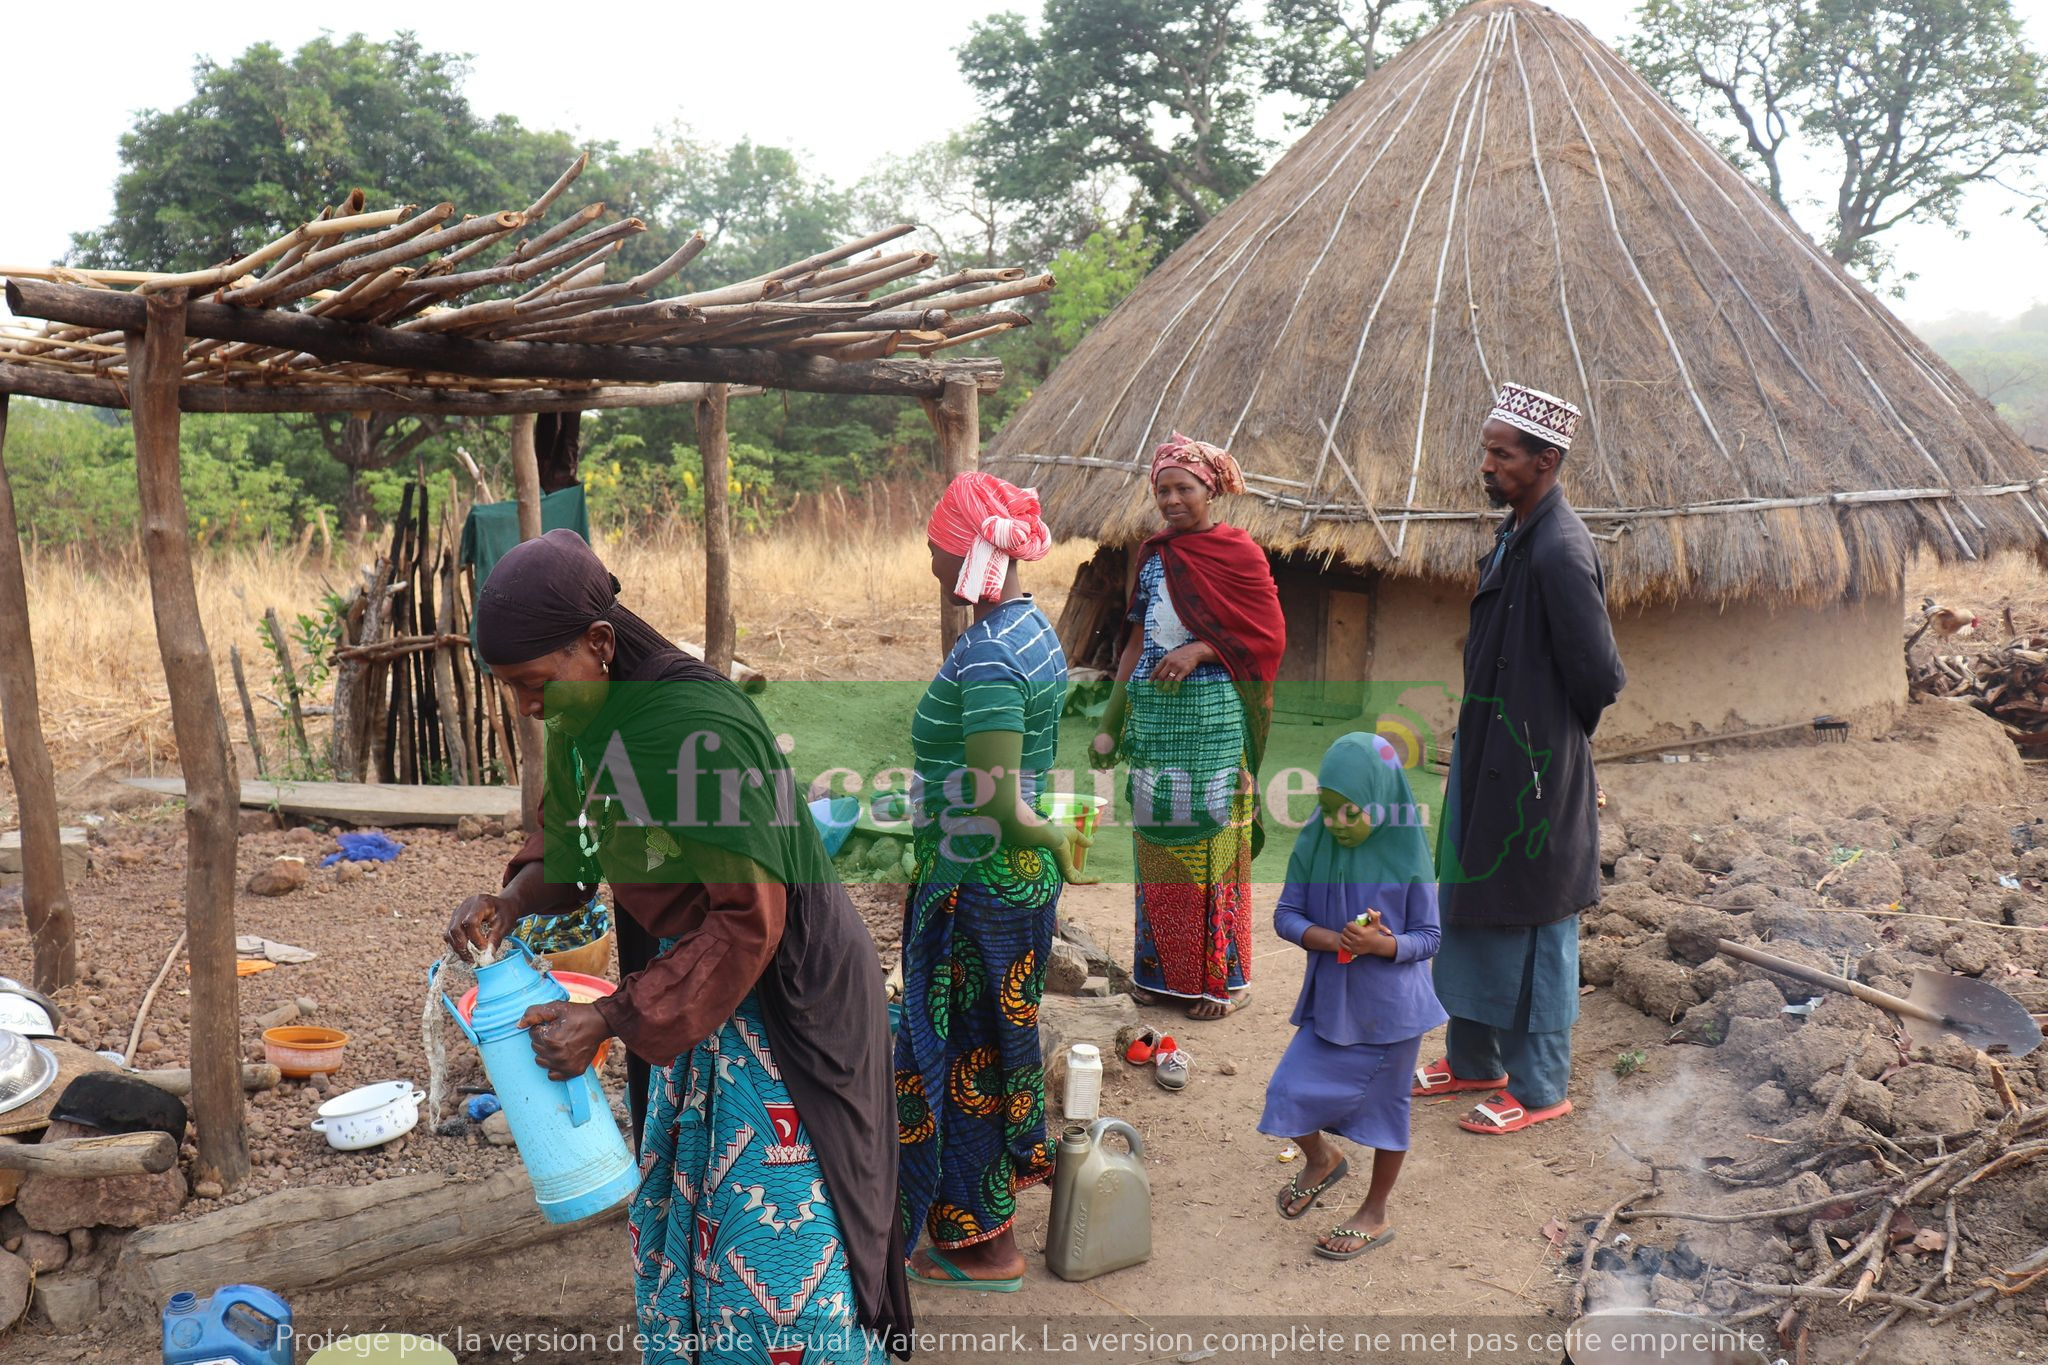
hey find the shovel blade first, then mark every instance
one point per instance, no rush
(1975, 1011)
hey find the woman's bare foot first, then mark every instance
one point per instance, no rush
(1355, 1233)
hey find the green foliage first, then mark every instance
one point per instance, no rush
(1094, 278)
(1322, 49)
(2006, 361)
(73, 473)
(1628, 1063)
(1905, 104)
(1157, 89)
(268, 140)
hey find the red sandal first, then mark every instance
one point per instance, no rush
(1506, 1114)
(1436, 1079)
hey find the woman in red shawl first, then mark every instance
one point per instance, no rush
(1190, 711)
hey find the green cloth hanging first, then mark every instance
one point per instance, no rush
(492, 529)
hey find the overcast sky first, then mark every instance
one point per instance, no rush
(843, 80)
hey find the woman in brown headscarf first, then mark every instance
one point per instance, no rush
(751, 998)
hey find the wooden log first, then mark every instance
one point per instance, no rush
(956, 417)
(447, 695)
(719, 631)
(84, 1158)
(342, 341)
(46, 903)
(534, 213)
(320, 1237)
(178, 1080)
(532, 739)
(202, 734)
(299, 285)
(318, 228)
(293, 701)
(248, 709)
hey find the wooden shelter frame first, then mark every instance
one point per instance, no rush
(238, 351)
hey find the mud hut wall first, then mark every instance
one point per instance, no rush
(1694, 668)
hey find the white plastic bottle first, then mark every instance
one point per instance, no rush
(1084, 1082)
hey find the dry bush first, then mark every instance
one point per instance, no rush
(841, 587)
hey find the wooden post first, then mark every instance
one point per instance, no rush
(283, 646)
(719, 631)
(532, 738)
(43, 895)
(155, 359)
(248, 710)
(956, 417)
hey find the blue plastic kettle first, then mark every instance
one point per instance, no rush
(578, 1162)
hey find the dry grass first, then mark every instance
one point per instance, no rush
(841, 588)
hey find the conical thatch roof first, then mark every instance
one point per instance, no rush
(1507, 200)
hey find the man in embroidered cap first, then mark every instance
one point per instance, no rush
(1520, 848)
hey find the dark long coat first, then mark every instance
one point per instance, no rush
(1521, 833)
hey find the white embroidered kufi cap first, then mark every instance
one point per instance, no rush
(1543, 415)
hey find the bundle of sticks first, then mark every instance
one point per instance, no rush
(408, 700)
(2008, 683)
(423, 270)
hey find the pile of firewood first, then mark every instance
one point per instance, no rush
(2009, 684)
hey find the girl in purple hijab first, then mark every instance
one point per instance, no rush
(1361, 899)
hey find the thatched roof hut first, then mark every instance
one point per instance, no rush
(1508, 200)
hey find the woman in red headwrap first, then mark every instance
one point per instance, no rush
(970, 1087)
(1190, 711)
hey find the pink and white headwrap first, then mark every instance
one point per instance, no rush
(1213, 465)
(988, 522)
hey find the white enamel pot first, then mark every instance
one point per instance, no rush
(370, 1115)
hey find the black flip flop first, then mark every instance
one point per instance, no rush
(1294, 1191)
(1370, 1244)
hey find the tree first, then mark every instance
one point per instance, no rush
(938, 187)
(1904, 104)
(1159, 89)
(1322, 49)
(269, 140)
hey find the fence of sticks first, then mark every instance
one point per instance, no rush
(410, 703)
(2008, 683)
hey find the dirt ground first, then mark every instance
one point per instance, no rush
(1471, 1255)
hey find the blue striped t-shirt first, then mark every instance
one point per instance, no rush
(1005, 672)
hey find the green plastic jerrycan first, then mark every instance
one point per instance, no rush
(1101, 1202)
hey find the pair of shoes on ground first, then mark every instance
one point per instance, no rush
(1501, 1114)
(1168, 1060)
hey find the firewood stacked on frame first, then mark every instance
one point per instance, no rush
(424, 270)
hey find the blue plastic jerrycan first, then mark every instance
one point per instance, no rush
(578, 1162)
(239, 1324)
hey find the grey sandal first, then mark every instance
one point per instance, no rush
(1294, 1191)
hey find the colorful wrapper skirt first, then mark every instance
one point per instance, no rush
(970, 1081)
(1194, 930)
(737, 1252)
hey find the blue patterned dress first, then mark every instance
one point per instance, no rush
(737, 1253)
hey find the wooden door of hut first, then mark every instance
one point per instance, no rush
(1329, 614)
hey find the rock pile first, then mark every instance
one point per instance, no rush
(1782, 884)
